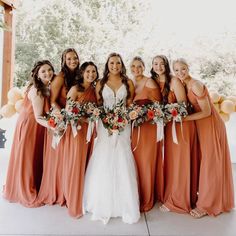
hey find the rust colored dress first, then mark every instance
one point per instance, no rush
(26, 159)
(75, 159)
(180, 164)
(216, 193)
(146, 154)
(51, 191)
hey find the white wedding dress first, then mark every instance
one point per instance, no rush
(110, 188)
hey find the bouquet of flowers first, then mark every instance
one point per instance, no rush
(115, 119)
(74, 112)
(92, 113)
(175, 111)
(137, 114)
(155, 112)
(57, 120)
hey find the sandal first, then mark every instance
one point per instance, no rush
(164, 208)
(197, 213)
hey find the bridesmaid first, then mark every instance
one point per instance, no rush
(146, 150)
(178, 157)
(77, 148)
(26, 159)
(216, 192)
(51, 191)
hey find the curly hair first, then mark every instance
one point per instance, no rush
(124, 77)
(155, 77)
(83, 67)
(69, 76)
(35, 81)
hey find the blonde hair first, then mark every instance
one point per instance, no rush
(180, 60)
(137, 58)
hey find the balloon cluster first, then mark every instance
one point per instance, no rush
(224, 105)
(15, 100)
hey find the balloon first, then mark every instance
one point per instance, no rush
(13, 95)
(215, 97)
(18, 105)
(217, 106)
(8, 110)
(227, 106)
(225, 117)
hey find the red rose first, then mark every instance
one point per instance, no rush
(75, 110)
(150, 114)
(105, 120)
(174, 112)
(52, 123)
(120, 119)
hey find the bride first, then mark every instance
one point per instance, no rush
(110, 188)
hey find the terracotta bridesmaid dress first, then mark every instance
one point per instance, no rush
(216, 193)
(75, 159)
(26, 158)
(147, 154)
(180, 164)
(51, 191)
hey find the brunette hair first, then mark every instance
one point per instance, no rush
(35, 81)
(124, 77)
(81, 77)
(155, 77)
(69, 76)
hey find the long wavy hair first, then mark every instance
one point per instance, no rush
(155, 77)
(69, 76)
(124, 77)
(35, 81)
(83, 67)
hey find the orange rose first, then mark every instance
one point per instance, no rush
(52, 123)
(150, 114)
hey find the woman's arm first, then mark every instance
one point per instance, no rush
(97, 89)
(203, 102)
(38, 104)
(56, 87)
(178, 88)
(131, 90)
(72, 94)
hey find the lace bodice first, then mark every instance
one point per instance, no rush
(110, 99)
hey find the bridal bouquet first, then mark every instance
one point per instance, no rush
(115, 119)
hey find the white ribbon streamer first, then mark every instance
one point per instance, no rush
(174, 135)
(90, 129)
(73, 128)
(160, 130)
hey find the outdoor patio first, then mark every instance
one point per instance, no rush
(54, 220)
